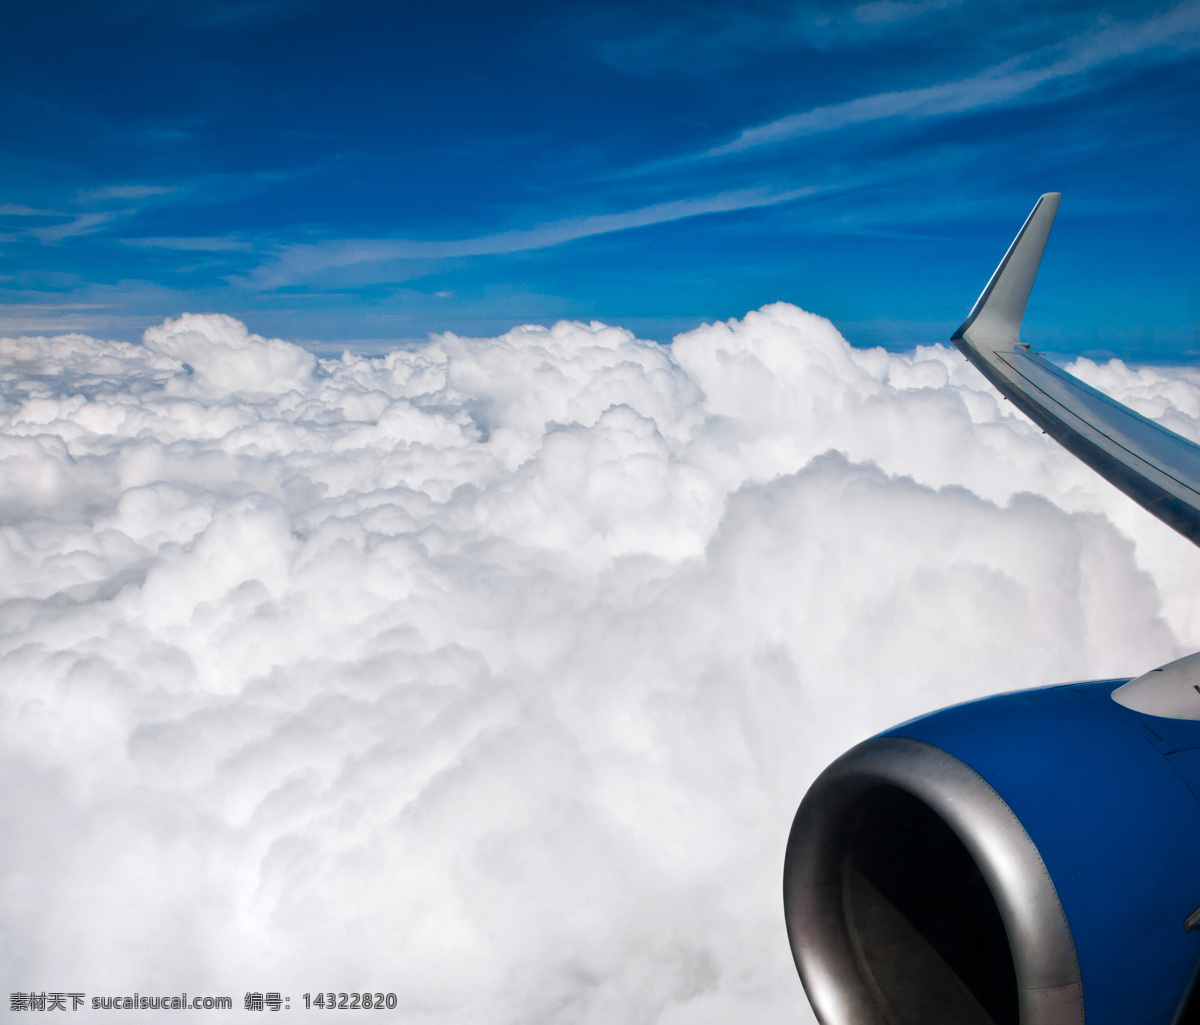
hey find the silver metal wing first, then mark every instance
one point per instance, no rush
(1155, 467)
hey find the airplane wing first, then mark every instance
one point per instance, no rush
(1155, 467)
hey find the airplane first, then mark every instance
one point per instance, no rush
(1031, 858)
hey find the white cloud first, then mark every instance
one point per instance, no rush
(491, 672)
(203, 243)
(224, 357)
(84, 224)
(21, 210)
(883, 12)
(301, 262)
(93, 221)
(127, 192)
(1178, 28)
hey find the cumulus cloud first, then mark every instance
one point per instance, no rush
(490, 672)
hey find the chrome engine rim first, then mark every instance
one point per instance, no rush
(1049, 989)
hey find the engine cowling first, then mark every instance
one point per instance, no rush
(1026, 859)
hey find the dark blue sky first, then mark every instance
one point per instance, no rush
(367, 172)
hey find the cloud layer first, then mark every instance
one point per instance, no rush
(490, 673)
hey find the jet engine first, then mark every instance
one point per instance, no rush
(1031, 858)
(1020, 859)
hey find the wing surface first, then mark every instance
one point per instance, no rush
(1157, 468)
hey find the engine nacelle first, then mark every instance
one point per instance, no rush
(1020, 860)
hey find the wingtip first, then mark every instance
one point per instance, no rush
(1049, 200)
(995, 319)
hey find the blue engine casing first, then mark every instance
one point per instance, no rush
(1110, 798)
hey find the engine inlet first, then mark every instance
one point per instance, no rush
(914, 896)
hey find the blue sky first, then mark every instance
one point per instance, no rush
(362, 173)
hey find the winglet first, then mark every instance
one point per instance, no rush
(995, 319)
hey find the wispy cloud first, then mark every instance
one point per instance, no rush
(884, 12)
(691, 39)
(126, 192)
(298, 262)
(134, 198)
(21, 210)
(205, 244)
(84, 224)
(1009, 80)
